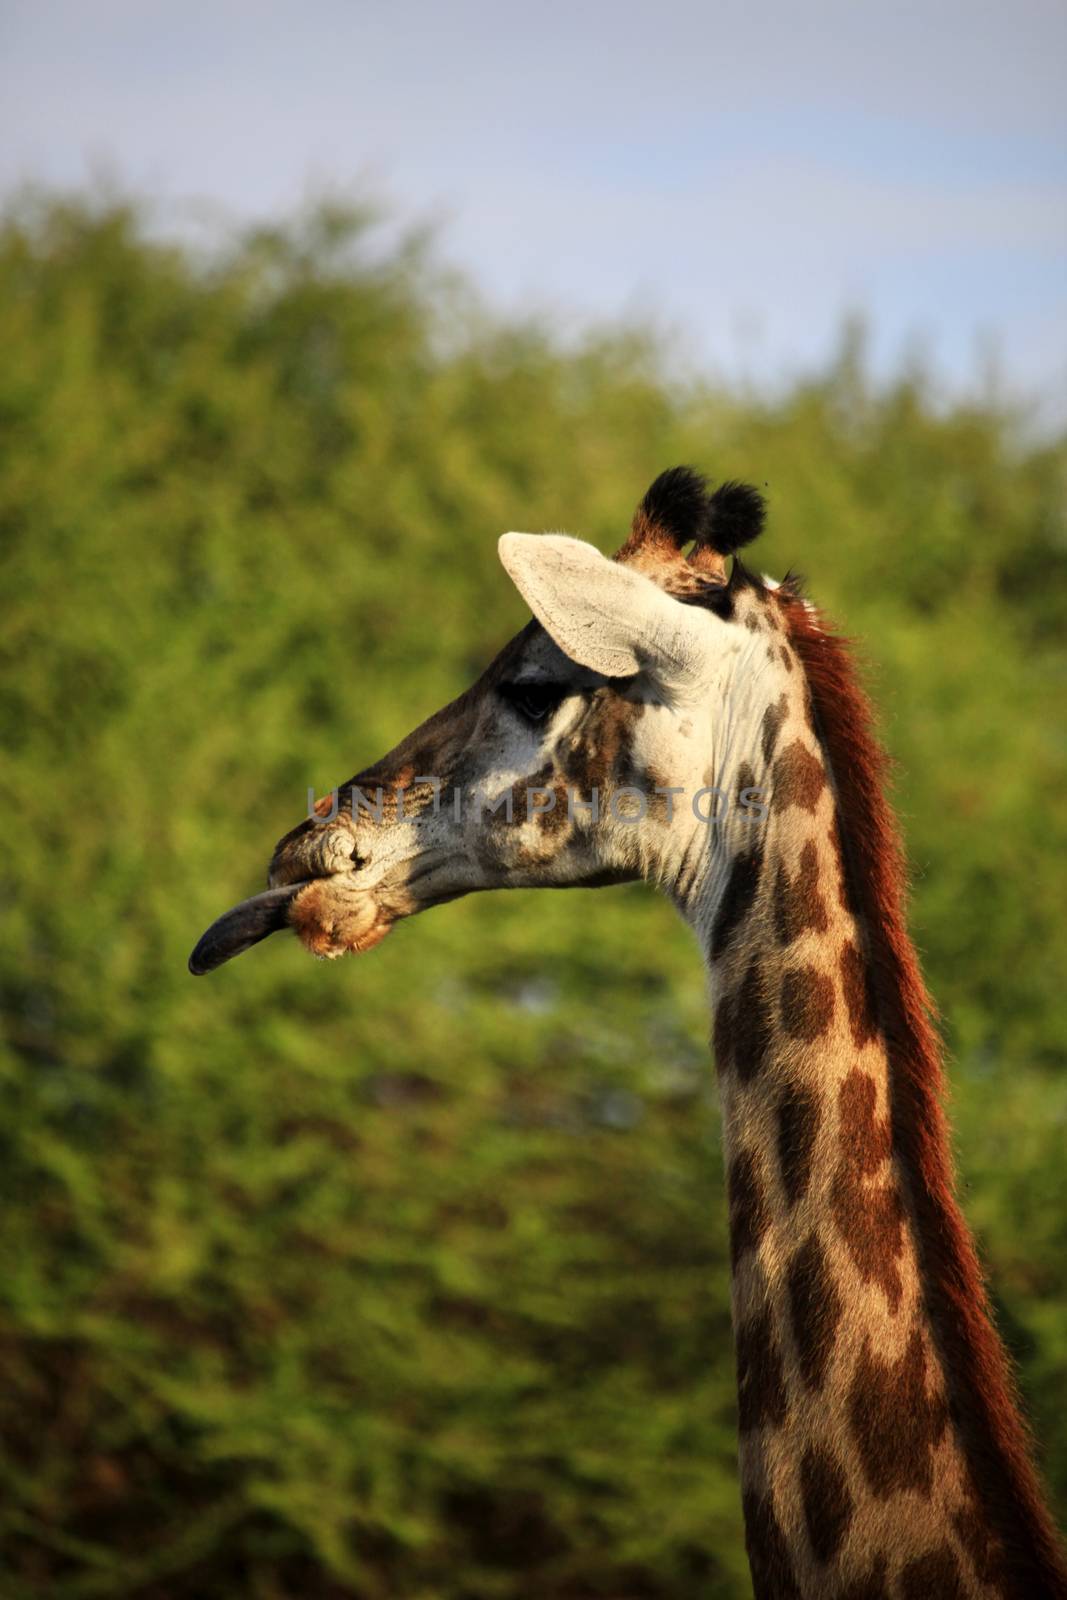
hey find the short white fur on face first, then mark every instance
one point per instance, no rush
(605, 616)
(620, 624)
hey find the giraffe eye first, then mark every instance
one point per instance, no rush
(534, 701)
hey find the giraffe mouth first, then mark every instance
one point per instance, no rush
(332, 915)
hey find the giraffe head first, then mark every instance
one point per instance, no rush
(599, 746)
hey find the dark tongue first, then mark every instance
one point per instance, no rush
(242, 927)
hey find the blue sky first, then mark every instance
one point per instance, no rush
(744, 174)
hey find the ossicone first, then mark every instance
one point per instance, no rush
(679, 511)
(735, 516)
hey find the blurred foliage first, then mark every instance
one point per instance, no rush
(408, 1277)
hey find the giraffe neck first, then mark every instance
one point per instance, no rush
(881, 1453)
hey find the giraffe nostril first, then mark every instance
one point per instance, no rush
(316, 850)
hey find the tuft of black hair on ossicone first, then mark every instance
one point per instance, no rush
(734, 517)
(677, 505)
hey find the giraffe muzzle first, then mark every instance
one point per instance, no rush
(316, 890)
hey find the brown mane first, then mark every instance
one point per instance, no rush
(982, 1394)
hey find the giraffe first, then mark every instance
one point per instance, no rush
(662, 717)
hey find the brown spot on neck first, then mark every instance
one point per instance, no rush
(826, 1500)
(798, 905)
(751, 1025)
(872, 1585)
(799, 1114)
(865, 1137)
(773, 1577)
(740, 892)
(896, 1422)
(749, 1214)
(807, 1003)
(857, 986)
(773, 718)
(935, 1574)
(761, 1395)
(869, 1214)
(799, 779)
(815, 1310)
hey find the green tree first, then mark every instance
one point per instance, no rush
(313, 1285)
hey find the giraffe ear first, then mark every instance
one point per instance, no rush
(606, 617)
